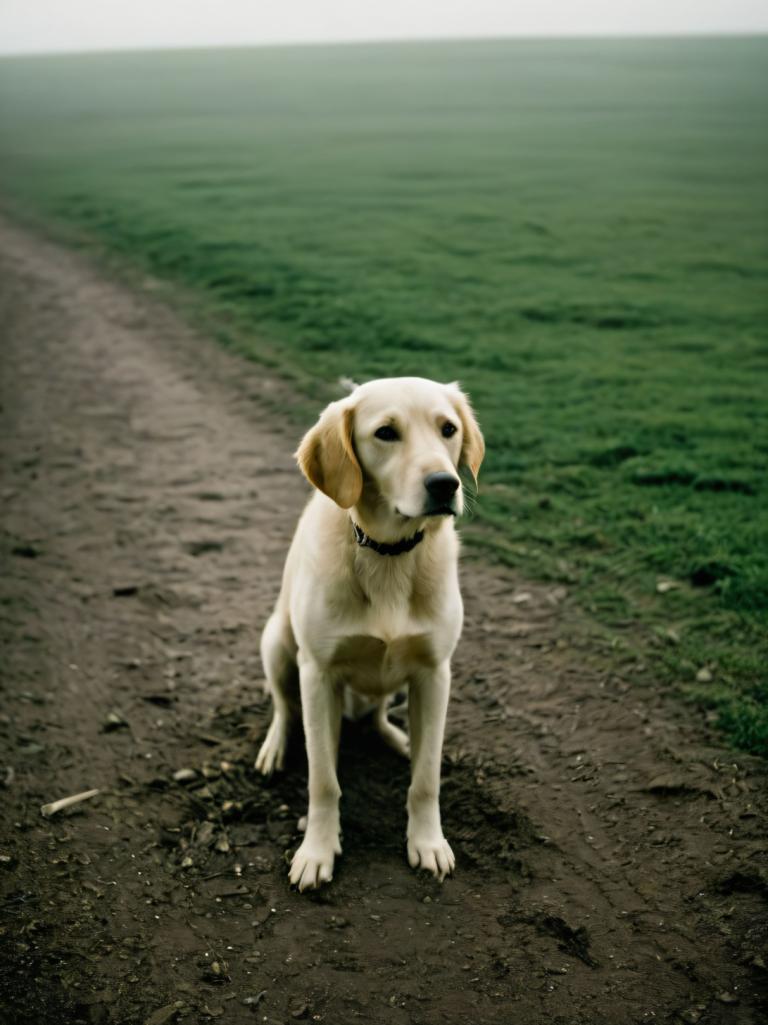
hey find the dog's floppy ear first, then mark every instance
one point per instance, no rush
(472, 444)
(327, 457)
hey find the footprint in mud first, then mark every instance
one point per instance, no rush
(571, 941)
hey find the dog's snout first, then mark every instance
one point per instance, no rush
(441, 486)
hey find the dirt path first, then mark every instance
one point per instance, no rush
(611, 856)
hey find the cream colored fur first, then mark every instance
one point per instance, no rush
(349, 617)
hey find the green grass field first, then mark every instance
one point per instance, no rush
(575, 230)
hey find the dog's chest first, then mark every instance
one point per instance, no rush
(374, 666)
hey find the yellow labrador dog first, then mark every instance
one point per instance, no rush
(370, 599)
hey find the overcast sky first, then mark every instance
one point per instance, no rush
(33, 26)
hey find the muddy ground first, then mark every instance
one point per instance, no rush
(611, 853)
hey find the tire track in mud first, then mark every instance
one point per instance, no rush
(611, 856)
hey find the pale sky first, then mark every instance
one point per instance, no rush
(35, 26)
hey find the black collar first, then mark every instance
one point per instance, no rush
(398, 548)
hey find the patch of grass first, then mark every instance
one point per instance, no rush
(575, 230)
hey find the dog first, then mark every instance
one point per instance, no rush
(370, 600)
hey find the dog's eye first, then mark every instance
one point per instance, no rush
(387, 433)
(449, 429)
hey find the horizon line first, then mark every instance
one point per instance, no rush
(107, 50)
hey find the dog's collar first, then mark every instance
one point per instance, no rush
(398, 548)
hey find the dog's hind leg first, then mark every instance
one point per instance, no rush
(391, 734)
(282, 681)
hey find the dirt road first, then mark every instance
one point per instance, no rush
(611, 854)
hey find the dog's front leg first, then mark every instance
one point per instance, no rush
(312, 863)
(427, 708)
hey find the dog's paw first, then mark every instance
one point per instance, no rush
(312, 864)
(433, 854)
(272, 752)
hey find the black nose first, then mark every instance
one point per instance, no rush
(441, 486)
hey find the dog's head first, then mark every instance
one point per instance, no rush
(396, 445)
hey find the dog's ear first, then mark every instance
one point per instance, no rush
(327, 457)
(472, 443)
